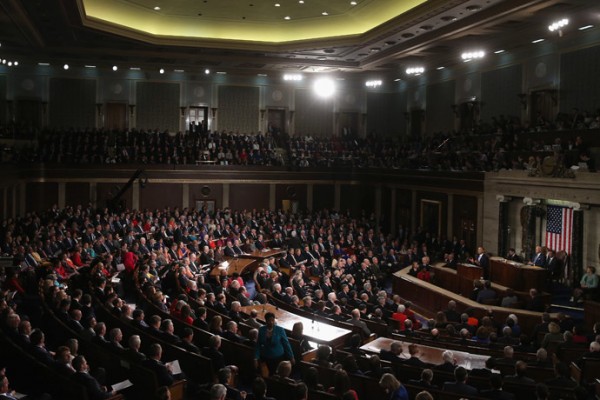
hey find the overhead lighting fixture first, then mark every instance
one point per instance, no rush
(262, 74)
(66, 67)
(397, 79)
(583, 28)
(207, 71)
(324, 13)
(324, 87)
(178, 70)
(292, 77)
(558, 25)
(287, 17)
(537, 41)
(499, 51)
(114, 68)
(415, 70)
(373, 84)
(353, 3)
(89, 66)
(472, 55)
(157, 8)
(161, 71)
(277, 5)
(134, 68)
(301, 1)
(16, 63)
(43, 64)
(10, 63)
(221, 72)
(440, 68)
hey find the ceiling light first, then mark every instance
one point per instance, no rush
(324, 87)
(557, 25)
(277, 5)
(537, 40)
(583, 28)
(221, 72)
(43, 64)
(499, 51)
(115, 68)
(262, 74)
(301, 1)
(66, 67)
(157, 8)
(415, 70)
(287, 17)
(161, 71)
(397, 79)
(90, 66)
(178, 70)
(353, 3)
(16, 63)
(324, 13)
(292, 77)
(9, 64)
(440, 68)
(134, 68)
(207, 71)
(472, 55)
(373, 84)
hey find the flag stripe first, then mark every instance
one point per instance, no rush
(559, 228)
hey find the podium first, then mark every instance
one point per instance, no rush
(519, 277)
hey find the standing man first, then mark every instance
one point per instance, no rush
(539, 259)
(483, 261)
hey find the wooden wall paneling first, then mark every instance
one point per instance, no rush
(357, 198)
(77, 193)
(161, 195)
(72, 103)
(427, 205)
(3, 86)
(386, 204)
(106, 190)
(292, 192)
(575, 90)
(157, 106)
(439, 114)
(323, 197)
(206, 192)
(464, 219)
(313, 115)
(499, 92)
(40, 196)
(248, 196)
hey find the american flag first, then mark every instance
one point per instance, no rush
(559, 228)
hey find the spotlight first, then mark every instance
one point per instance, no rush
(207, 71)
(10, 64)
(16, 63)
(292, 77)
(115, 68)
(324, 87)
(472, 55)
(415, 70)
(161, 71)
(373, 84)
(555, 26)
(66, 67)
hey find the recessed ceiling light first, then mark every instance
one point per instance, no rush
(353, 3)
(43, 64)
(207, 71)
(134, 68)
(287, 17)
(537, 40)
(277, 5)
(161, 71)
(157, 8)
(221, 72)
(115, 68)
(178, 70)
(90, 66)
(16, 63)
(301, 1)
(397, 79)
(262, 74)
(66, 67)
(440, 68)
(324, 13)
(583, 28)
(499, 51)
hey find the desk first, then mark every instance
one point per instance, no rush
(235, 265)
(519, 277)
(428, 354)
(263, 254)
(314, 331)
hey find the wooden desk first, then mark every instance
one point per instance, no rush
(519, 277)
(433, 298)
(314, 330)
(235, 265)
(428, 354)
(263, 254)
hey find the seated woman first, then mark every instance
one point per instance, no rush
(588, 283)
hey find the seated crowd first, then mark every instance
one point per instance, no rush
(90, 266)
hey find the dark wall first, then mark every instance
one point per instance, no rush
(106, 190)
(323, 197)
(439, 114)
(293, 192)
(357, 198)
(72, 103)
(499, 90)
(161, 195)
(385, 114)
(77, 193)
(248, 196)
(213, 192)
(465, 219)
(428, 204)
(579, 80)
(41, 195)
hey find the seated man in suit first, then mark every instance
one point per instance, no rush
(520, 374)
(164, 375)
(539, 259)
(426, 380)
(414, 360)
(356, 321)
(562, 377)
(487, 294)
(496, 392)
(449, 363)
(393, 354)
(133, 351)
(83, 377)
(459, 386)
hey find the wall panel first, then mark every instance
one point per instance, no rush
(40, 196)
(238, 108)
(439, 114)
(157, 106)
(357, 198)
(77, 193)
(161, 195)
(580, 80)
(105, 191)
(72, 103)
(385, 114)
(499, 90)
(3, 94)
(323, 197)
(214, 192)
(290, 192)
(248, 196)
(313, 115)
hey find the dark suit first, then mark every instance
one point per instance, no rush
(91, 385)
(496, 394)
(460, 388)
(163, 376)
(217, 358)
(484, 262)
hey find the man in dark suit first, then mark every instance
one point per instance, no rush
(449, 363)
(562, 377)
(38, 347)
(82, 376)
(213, 352)
(133, 351)
(459, 386)
(519, 376)
(482, 260)
(414, 360)
(496, 392)
(164, 375)
(186, 341)
(426, 380)
(539, 259)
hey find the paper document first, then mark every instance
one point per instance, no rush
(121, 385)
(120, 267)
(175, 368)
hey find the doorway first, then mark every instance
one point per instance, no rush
(543, 103)
(116, 116)
(348, 124)
(197, 119)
